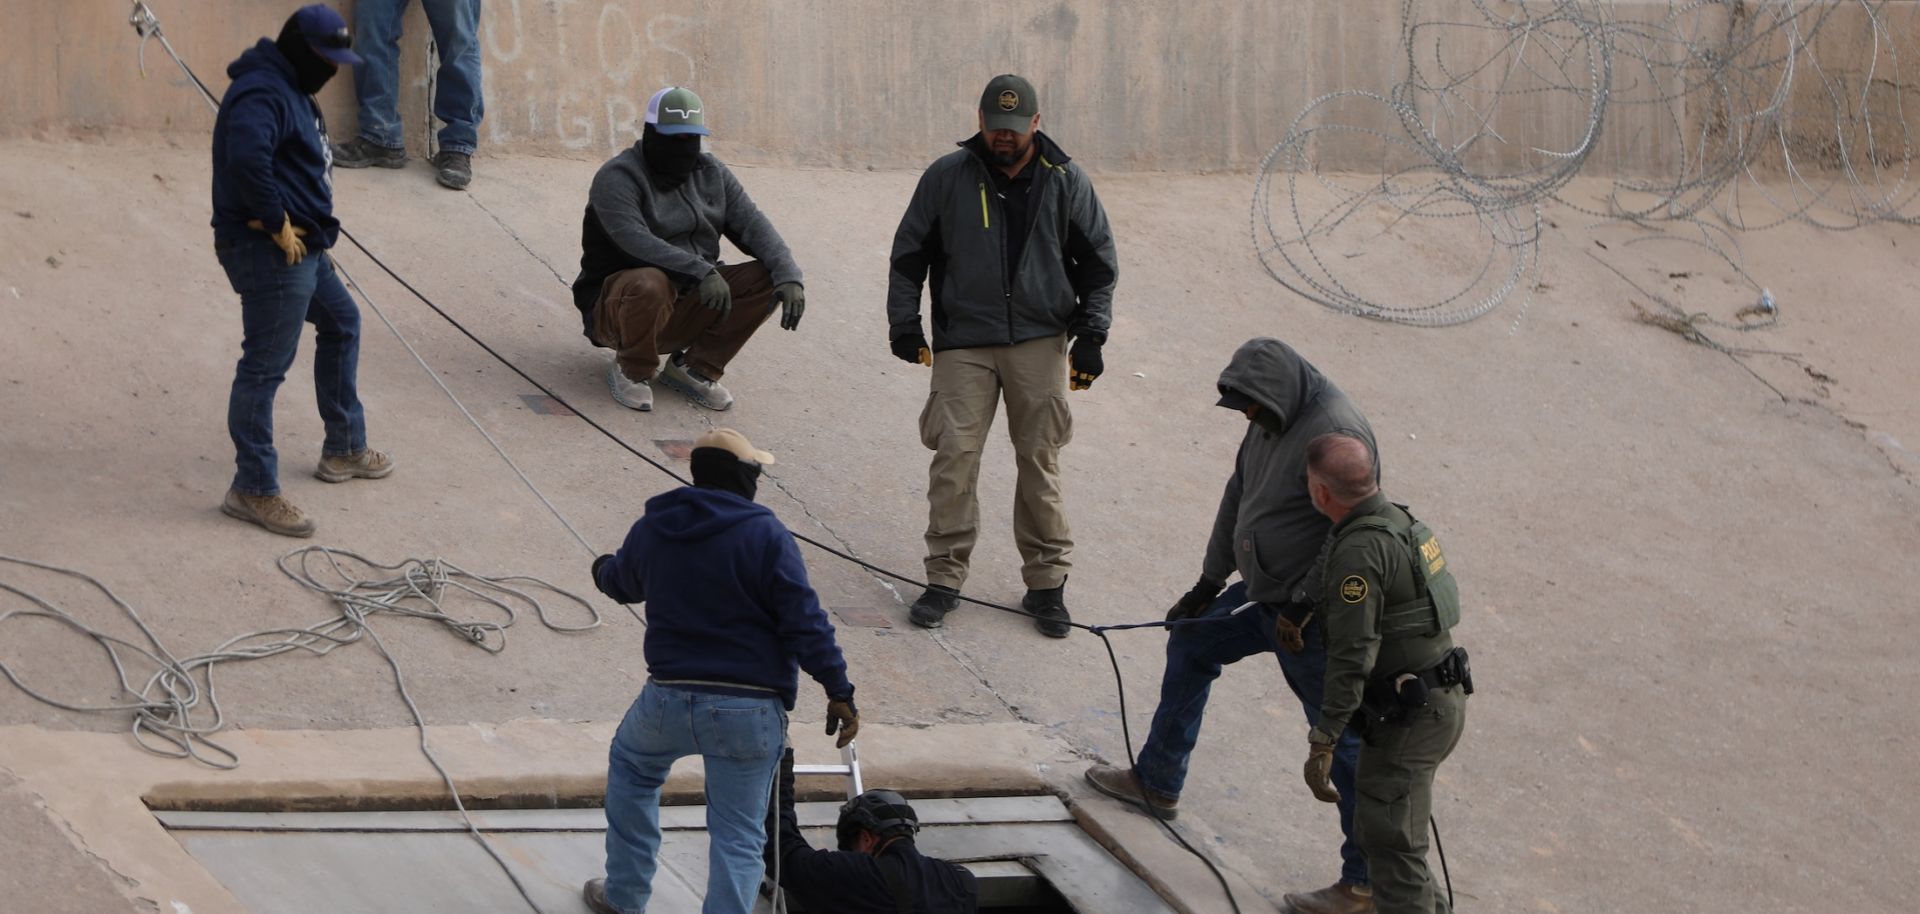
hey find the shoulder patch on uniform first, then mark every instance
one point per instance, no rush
(1353, 588)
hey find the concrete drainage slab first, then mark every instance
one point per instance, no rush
(1028, 852)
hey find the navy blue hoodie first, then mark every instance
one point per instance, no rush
(727, 596)
(270, 153)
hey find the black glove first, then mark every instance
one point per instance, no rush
(1196, 601)
(597, 562)
(716, 294)
(912, 348)
(844, 718)
(792, 298)
(1086, 362)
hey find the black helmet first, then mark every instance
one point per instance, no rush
(882, 812)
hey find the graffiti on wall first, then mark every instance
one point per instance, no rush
(578, 73)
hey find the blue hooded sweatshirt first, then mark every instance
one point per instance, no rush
(270, 153)
(728, 603)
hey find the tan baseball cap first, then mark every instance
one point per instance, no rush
(734, 443)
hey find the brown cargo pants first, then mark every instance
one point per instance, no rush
(967, 387)
(640, 318)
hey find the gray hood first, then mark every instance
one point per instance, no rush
(1276, 377)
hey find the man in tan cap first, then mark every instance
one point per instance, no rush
(730, 620)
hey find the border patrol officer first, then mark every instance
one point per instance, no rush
(1388, 601)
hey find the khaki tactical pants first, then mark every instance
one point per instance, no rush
(640, 318)
(1395, 784)
(967, 387)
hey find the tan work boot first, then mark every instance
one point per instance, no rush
(273, 512)
(1338, 898)
(1125, 787)
(365, 463)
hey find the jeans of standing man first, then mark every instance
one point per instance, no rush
(739, 741)
(1195, 654)
(275, 299)
(456, 99)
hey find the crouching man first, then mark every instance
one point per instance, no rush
(877, 869)
(730, 618)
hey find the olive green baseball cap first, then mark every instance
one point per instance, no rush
(1009, 103)
(676, 110)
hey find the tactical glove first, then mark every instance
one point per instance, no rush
(1286, 632)
(1086, 362)
(912, 349)
(715, 294)
(1195, 601)
(793, 303)
(287, 238)
(1319, 772)
(844, 718)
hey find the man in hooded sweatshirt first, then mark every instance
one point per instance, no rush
(1268, 531)
(651, 282)
(730, 618)
(272, 224)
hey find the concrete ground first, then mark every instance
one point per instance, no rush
(1686, 575)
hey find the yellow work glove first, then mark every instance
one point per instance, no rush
(843, 717)
(288, 238)
(1319, 772)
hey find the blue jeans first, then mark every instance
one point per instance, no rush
(739, 739)
(275, 299)
(456, 94)
(1195, 654)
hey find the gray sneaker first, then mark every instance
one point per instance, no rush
(454, 169)
(273, 512)
(697, 388)
(364, 153)
(627, 392)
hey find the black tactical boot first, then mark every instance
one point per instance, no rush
(361, 152)
(1050, 610)
(453, 169)
(930, 611)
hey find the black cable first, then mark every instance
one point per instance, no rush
(1442, 850)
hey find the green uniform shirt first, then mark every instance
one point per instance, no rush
(1367, 570)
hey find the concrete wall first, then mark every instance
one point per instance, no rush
(1200, 85)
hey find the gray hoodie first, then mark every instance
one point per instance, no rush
(1267, 528)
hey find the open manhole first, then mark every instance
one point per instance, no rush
(1027, 851)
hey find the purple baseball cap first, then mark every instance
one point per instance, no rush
(326, 33)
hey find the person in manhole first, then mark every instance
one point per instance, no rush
(877, 870)
(651, 282)
(731, 618)
(272, 226)
(1268, 531)
(1389, 601)
(1014, 249)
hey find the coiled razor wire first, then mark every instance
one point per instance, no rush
(1717, 116)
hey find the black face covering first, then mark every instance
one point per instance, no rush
(715, 468)
(311, 71)
(670, 158)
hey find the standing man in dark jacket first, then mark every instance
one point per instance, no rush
(272, 224)
(730, 619)
(651, 281)
(1268, 530)
(1011, 242)
(877, 869)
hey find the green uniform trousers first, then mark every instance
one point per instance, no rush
(1395, 784)
(968, 385)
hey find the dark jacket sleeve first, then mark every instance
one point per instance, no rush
(623, 579)
(751, 231)
(802, 624)
(615, 199)
(1093, 265)
(256, 123)
(916, 248)
(1219, 563)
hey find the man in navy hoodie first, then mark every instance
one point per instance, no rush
(272, 223)
(730, 620)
